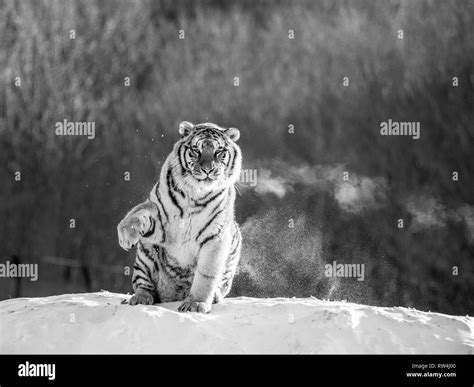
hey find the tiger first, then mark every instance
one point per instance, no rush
(187, 240)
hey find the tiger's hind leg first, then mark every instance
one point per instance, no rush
(145, 271)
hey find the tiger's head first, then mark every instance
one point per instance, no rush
(207, 156)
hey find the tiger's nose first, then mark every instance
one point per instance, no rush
(208, 169)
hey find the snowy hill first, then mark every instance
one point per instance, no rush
(99, 323)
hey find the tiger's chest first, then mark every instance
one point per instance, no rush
(182, 236)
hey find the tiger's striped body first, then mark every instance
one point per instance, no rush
(188, 243)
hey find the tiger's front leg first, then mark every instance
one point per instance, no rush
(208, 273)
(139, 222)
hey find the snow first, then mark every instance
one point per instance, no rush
(99, 323)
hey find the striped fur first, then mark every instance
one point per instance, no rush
(188, 243)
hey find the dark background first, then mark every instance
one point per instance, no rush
(283, 82)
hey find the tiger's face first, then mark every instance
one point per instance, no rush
(208, 154)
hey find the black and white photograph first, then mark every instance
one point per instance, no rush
(237, 177)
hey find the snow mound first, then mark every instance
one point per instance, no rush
(99, 323)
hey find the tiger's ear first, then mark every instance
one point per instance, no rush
(233, 133)
(185, 128)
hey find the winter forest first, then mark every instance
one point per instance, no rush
(356, 122)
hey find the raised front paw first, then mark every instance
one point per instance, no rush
(131, 228)
(190, 305)
(141, 298)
